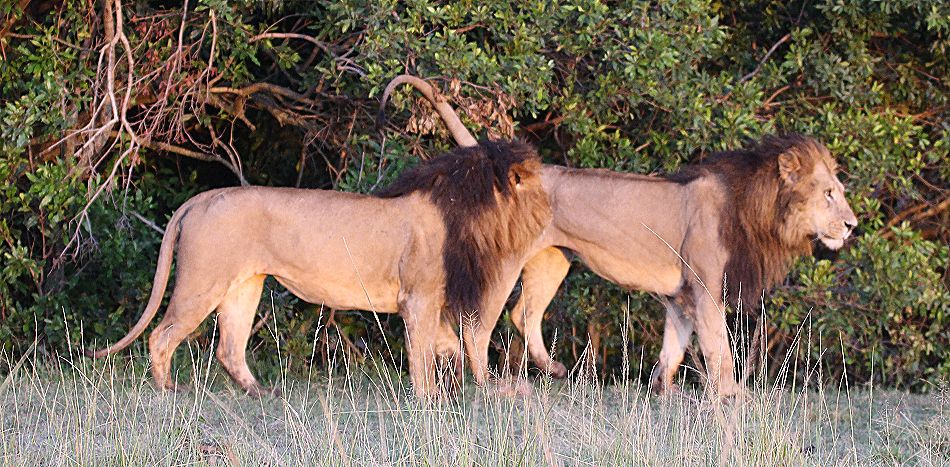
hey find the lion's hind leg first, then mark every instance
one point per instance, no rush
(235, 319)
(540, 280)
(186, 310)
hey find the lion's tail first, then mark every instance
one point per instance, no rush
(159, 283)
(446, 112)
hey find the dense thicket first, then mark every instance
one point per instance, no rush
(113, 113)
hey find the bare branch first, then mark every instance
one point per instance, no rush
(8, 26)
(915, 214)
(255, 88)
(291, 35)
(147, 222)
(768, 54)
(159, 146)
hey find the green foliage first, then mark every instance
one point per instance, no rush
(629, 85)
(892, 313)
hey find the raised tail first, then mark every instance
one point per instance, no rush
(159, 283)
(446, 112)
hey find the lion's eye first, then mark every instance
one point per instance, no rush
(828, 194)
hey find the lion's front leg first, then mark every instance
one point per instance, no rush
(713, 338)
(422, 324)
(448, 347)
(677, 333)
(476, 331)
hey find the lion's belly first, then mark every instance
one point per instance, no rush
(646, 273)
(338, 292)
(349, 264)
(337, 249)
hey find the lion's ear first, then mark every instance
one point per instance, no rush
(517, 173)
(789, 166)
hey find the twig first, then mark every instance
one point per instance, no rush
(147, 222)
(53, 38)
(768, 54)
(8, 25)
(235, 163)
(261, 322)
(159, 146)
(925, 115)
(916, 213)
(114, 113)
(768, 102)
(534, 127)
(261, 87)
(291, 35)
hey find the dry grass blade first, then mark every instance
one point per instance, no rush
(16, 367)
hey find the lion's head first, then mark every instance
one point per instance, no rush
(816, 205)
(782, 196)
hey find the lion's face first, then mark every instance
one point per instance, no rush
(820, 210)
(831, 217)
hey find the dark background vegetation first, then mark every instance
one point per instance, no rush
(113, 113)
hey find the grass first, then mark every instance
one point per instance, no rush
(73, 411)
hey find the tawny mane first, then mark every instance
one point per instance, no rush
(500, 183)
(760, 228)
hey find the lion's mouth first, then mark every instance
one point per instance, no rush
(832, 242)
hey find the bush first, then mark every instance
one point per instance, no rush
(283, 93)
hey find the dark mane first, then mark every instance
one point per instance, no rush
(755, 225)
(465, 176)
(486, 219)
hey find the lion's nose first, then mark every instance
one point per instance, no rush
(850, 224)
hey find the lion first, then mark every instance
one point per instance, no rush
(424, 248)
(728, 227)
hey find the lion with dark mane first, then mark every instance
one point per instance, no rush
(431, 243)
(731, 226)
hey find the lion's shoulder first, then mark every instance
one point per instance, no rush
(757, 210)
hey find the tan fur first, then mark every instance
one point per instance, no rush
(638, 231)
(343, 250)
(521, 227)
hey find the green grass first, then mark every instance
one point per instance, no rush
(72, 411)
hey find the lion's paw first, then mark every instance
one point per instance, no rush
(557, 370)
(511, 388)
(258, 391)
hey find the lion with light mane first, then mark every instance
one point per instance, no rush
(425, 248)
(733, 224)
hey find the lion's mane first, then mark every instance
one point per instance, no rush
(506, 221)
(760, 229)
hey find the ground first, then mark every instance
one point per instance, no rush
(77, 412)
